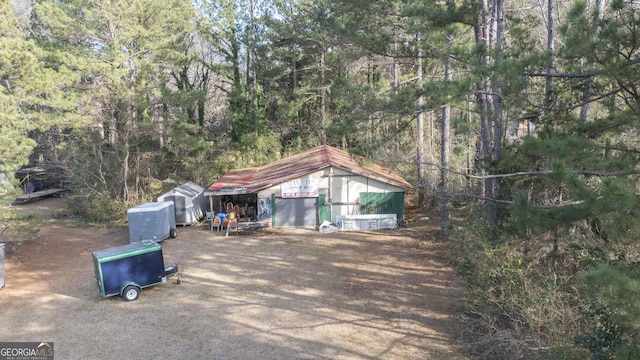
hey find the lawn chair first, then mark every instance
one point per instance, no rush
(209, 219)
(216, 223)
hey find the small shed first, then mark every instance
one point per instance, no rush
(321, 184)
(188, 201)
(151, 221)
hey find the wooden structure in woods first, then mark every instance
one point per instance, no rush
(40, 182)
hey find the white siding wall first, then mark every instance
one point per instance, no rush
(345, 190)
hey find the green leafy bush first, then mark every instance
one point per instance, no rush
(608, 336)
(103, 208)
(612, 329)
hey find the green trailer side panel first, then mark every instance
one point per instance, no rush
(138, 263)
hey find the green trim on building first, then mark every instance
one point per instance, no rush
(324, 211)
(382, 203)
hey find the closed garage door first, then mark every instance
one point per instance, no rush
(298, 212)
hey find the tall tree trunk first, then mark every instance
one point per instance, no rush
(235, 58)
(294, 69)
(202, 97)
(125, 168)
(162, 119)
(444, 159)
(294, 87)
(585, 110)
(254, 72)
(482, 33)
(498, 125)
(396, 83)
(498, 132)
(445, 140)
(550, 47)
(323, 114)
(113, 128)
(420, 138)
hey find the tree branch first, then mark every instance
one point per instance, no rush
(534, 173)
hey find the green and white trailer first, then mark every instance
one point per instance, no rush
(126, 270)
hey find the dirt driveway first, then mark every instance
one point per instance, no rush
(280, 295)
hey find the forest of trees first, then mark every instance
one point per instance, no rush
(519, 120)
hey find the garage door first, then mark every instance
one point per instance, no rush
(298, 212)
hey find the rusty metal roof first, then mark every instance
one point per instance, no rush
(250, 180)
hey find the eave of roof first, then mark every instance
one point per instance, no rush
(40, 169)
(251, 180)
(236, 181)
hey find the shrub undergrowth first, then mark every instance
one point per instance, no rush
(550, 296)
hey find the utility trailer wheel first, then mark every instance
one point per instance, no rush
(173, 233)
(131, 293)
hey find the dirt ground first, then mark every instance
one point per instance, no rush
(281, 294)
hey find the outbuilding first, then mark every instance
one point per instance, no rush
(304, 190)
(153, 221)
(189, 202)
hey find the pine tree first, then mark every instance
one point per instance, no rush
(35, 92)
(125, 48)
